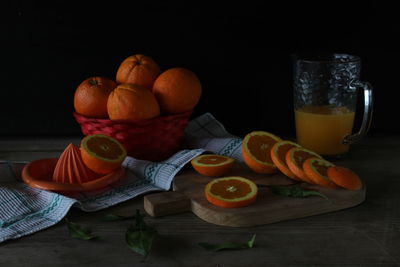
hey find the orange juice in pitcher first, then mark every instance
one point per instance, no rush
(323, 128)
(325, 90)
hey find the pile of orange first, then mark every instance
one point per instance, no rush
(141, 90)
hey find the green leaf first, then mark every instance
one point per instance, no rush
(228, 245)
(250, 243)
(114, 217)
(139, 235)
(77, 231)
(307, 193)
(295, 191)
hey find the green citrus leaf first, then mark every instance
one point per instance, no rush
(77, 231)
(228, 245)
(307, 193)
(139, 235)
(295, 191)
(251, 242)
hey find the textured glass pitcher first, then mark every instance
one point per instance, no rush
(325, 102)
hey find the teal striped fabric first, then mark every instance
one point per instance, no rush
(25, 210)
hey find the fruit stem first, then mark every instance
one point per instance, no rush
(94, 82)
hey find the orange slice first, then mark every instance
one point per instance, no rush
(231, 192)
(101, 153)
(316, 171)
(256, 151)
(344, 177)
(278, 153)
(295, 158)
(212, 165)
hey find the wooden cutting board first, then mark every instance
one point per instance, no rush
(188, 195)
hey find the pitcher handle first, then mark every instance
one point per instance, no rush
(367, 117)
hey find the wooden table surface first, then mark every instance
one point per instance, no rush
(365, 235)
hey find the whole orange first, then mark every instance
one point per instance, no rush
(177, 90)
(138, 69)
(132, 102)
(91, 97)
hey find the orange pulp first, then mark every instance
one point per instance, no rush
(322, 128)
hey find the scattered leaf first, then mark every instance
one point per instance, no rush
(228, 245)
(139, 235)
(114, 217)
(295, 191)
(77, 231)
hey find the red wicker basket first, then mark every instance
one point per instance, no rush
(153, 139)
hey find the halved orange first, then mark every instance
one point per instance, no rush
(295, 158)
(344, 177)
(256, 151)
(278, 153)
(212, 165)
(101, 153)
(316, 171)
(231, 192)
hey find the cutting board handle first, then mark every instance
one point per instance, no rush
(166, 203)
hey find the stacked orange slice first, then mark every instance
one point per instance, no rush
(278, 156)
(266, 153)
(295, 158)
(316, 170)
(256, 151)
(344, 177)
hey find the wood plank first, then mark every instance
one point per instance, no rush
(166, 203)
(365, 235)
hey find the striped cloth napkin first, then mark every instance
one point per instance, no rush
(25, 210)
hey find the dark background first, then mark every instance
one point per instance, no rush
(240, 51)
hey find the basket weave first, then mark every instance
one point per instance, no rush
(153, 139)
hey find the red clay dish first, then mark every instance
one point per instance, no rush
(39, 174)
